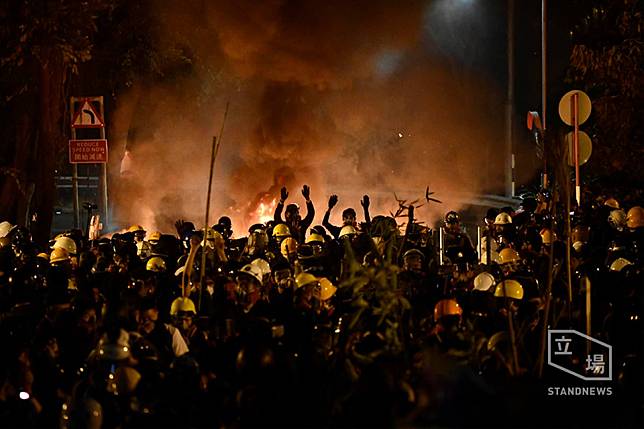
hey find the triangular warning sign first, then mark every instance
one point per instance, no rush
(87, 116)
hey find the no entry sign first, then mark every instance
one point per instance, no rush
(88, 151)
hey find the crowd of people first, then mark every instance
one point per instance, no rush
(364, 324)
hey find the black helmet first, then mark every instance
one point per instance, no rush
(452, 217)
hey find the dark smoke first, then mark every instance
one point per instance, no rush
(348, 97)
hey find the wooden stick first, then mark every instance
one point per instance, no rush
(215, 150)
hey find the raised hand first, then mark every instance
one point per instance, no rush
(179, 226)
(306, 192)
(365, 202)
(333, 200)
(283, 193)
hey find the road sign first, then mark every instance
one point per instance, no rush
(585, 148)
(584, 106)
(87, 115)
(88, 151)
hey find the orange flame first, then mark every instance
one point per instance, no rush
(265, 211)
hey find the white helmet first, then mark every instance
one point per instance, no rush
(65, 243)
(347, 230)
(484, 282)
(617, 219)
(253, 271)
(263, 266)
(503, 219)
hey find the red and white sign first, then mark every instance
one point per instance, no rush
(88, 151)
(87, 116)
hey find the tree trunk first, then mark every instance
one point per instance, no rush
(50, 142)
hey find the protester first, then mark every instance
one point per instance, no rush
(355, 325)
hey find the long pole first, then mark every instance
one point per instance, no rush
(550, 280)
(575, 137)
(215, 149)
(75, 204)
(202, 274)
(587, 285)
(103, 191)
(509, 102)
(544, 81)
(513, 342)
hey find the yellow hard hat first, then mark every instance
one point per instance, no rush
(4, 241)
(288, 247)
(635, 217)
(59, 255)
(619, 263)
(612, 202)
(182, 304)
(503, 219)
(327, 289)
(5, 228)
(66, 243)
(281, 230)
(513, 289)
(447, 307)
(154, 236)
(213, 235)
(546, 236)
(313, 238)
(156, 264)
(136, 228)
(508, 255)
(43, 256)
(304, 279)
(347, 230)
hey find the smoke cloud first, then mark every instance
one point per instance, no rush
(348, 97)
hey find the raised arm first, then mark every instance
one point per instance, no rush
(310, 210)
(334, 230)
(280, 206)
(365, 207)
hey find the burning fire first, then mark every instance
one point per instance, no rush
(265, 211)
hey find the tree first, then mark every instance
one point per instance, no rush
(41, 44)
(606, 62)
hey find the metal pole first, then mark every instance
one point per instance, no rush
(509, 156)
(574, 100)
(75, 204)
(440, 246)
(103, 190)
(75, 191)
(544, 81)
(586, 280)
(479, 245)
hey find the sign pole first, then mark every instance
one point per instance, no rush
(544, 76)
(75, 204)
(103, 192)
(575, 120)
(586, 280)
